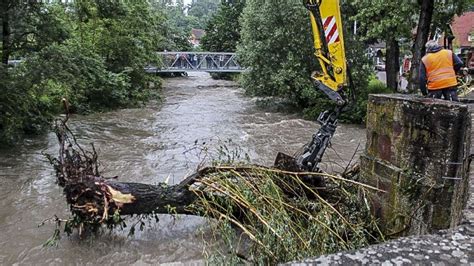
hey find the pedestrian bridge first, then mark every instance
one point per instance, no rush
(197, 62)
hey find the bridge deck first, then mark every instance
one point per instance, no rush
(172, 62)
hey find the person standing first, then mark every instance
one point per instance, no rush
(195, 60)
(209, 62)
(221, 61)
(178, 61)
(438, 72)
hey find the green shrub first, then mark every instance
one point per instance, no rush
(91, 52)
(358, 111)
(79, 74)
(33, 91)
(277, 49)
(13, 108)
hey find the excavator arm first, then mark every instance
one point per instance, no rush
(333, 80)
(328, 39)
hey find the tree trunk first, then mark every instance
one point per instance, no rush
(153, 198)
(392, 64)
(95, 199)
(100, 198)
(418, 50)
(5, 31)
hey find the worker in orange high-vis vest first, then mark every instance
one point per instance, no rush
(438, 72)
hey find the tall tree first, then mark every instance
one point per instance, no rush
(5, 17)
(91, 51)
(177, 25)
(434, 15)
(276, 45)
(388, 21)
(223, 30)
(422, 34)
(29, 26)
(202, 10)
(125, 34)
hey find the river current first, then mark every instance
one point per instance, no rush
(162, 142)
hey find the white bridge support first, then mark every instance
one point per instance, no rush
(196, 62)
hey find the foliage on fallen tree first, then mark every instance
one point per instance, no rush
(281, 215)
(285, 218)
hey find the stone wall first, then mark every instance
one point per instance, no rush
(418, 152)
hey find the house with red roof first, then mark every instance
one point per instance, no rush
(463, 30)
(462, 36)
(196, 36)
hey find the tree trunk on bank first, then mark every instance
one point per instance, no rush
(5, 31)
(392, 64)
(418, 50)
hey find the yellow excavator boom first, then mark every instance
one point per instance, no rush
(329, 45)
(328, 36)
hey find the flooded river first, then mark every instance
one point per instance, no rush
(160, 142)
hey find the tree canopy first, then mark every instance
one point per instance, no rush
(279, 67)
(92, 52)
(277, 46)
(223, 29)
(394, 22)
(202, 11)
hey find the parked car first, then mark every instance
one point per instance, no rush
(470, 62)
(380, 67)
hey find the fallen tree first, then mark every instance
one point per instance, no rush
(284, 213)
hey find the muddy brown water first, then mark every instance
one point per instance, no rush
(161, 142)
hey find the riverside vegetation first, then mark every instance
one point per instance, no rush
(274, 40)
(92, 52)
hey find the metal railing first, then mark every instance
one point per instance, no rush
(197, 62)
(15, 62)
(189, 62)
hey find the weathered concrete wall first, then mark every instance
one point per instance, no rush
(418, 151)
